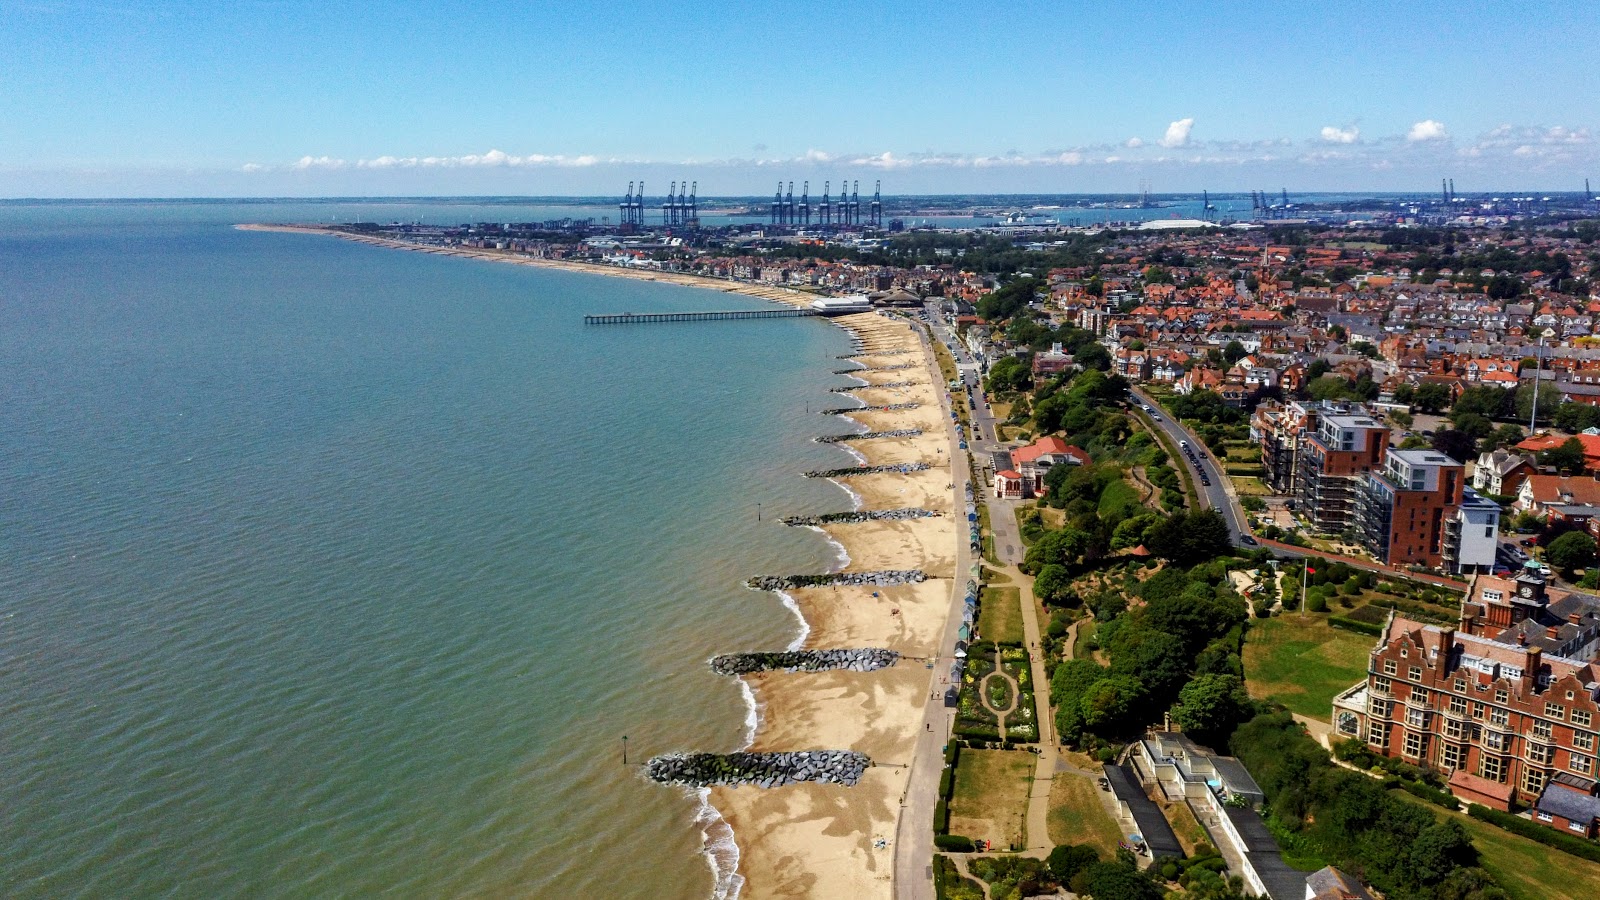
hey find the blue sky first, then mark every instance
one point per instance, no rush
(287, 98)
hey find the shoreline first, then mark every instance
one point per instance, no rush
(823, 839)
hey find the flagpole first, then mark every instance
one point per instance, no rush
(1305, 572)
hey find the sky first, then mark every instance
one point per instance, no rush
(256, 98)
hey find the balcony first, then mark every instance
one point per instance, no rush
(1454, 715)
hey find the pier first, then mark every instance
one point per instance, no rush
(651, 318)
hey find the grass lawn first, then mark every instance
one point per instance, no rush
(1118, 495)
(1052, 518)
(1184, 825)
(1086, 630)
(1303, 663)
(1077, 816)
(1529, 870)
(1000, 615)
(1250, 486)
(991, 795)
(986, 534)
(995, 576)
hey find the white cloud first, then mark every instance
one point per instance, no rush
(252, 167)
(318, 162)
(1427, 130)
(1341, 135)
(884, 160)
(1178, 133)
(1133, 143)
(818, 156)
(493, 159)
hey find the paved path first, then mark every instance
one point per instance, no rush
(913, 851)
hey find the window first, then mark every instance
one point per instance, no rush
(1452, 729)
(1488, 531)
(1449, 757)
(1477, 710)
(1532, 781)
(1555, 710)
(1419, 694)
(1388, 667)
(1493, 596)
(1576, 826)
(1417, 718)
(1541, 729)
(1583, 765)
(1404, 651)
(1492, 768)
(1461, 685)
(1378, 734)
(1583, 740)
(1414, 673)
(1494, 740)
(1580, 718)
(1416, 744)
(1380, 684)
(1544, 817)
(1538, 754)
(1502, 696)
(1499, 717)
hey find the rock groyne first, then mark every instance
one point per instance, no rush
(864, 387)
(901, 468)
(858, 516)
(881, 578)
(855, 409)
(869, 435)
(864, 660)
(766, 770)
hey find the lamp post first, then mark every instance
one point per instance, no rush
(1538, 366)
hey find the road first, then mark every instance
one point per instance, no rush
(1215, 496)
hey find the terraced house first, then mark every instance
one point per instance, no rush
(1507, 703)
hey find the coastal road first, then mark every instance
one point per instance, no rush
(1215, 496)
(913, 845)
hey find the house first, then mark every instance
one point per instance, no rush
(1008, 485)
(1034, 461)
(1539, 493)
(1569, 804)
(1541, 442)
(1501, 472)
(1329, 883)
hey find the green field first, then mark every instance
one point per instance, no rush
(990, 798)
(1000, 615)
(1302, 663)
(1529, 870)
(1077, 816)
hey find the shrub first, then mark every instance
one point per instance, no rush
(1432, 795)
(1358, 627)
(941, 818)
(1550, 837)
(1316, 602)
(1068, 860)
(954, 843)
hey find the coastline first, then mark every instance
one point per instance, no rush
(825, 839)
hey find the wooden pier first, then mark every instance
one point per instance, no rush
(650, 318)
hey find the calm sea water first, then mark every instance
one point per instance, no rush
(335, 571)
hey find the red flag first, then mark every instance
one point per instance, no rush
(1311, 570)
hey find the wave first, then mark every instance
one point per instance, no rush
(722, 852)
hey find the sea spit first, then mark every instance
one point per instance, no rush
(818, 839)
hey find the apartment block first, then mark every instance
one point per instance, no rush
(1331, 464)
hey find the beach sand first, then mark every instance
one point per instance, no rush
(820, 840)
(815, 840)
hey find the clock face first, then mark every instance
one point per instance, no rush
(1526, 590)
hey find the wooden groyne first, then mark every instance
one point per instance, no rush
(715, 316)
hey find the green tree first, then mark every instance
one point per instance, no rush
(1575, 417)
(1549, 401)
(1474, 425)
(1093, 356)
(1068, 860)
(1329, 387)
(1233, 352)
(1211, 706)
(1458, 445)
(1432, 397)
(1051, 584)
(1008, 374)
(1573, 550)
(1507, 436)
(1504, 287)
(1405, 393)
(1059, 547)
(1108, 704)
(1568, 456)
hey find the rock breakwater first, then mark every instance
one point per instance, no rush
(864, 660)
(864, 387)
(869, 435)
(881, 578)
(894, 368)
(854, 409)
(873, 515)
(902, 468)
(765, 770)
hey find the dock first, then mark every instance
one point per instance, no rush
(718, 316)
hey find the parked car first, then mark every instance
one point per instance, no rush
(1247, 540)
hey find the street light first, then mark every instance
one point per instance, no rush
(1538, 365)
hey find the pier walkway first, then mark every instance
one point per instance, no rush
(651, 318)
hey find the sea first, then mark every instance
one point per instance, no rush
(329, 570)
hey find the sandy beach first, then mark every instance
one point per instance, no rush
(816, 840)
(824, 840)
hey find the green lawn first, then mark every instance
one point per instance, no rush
(1077, 816)
(1250, 486)
(990, 798)
(1303, 663)
(1529, 870)
(1080, 646)
(1000, 615)
(1118, 495)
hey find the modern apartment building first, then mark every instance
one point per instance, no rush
(1331, 464)
(1402, 508)
(1506, 703)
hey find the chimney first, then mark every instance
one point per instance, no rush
(1447, 641)
(1574, 618)
(1530, 669)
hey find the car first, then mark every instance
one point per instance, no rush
(1183, 443)
(1145, 407)
(1528, 542)
(1247, 540)
(1157, 418)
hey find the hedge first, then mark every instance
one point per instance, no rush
(954, 843)
(1534, 831)
(1356, 626)
(1422, 791)
(941, 819)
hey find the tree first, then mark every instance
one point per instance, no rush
(1156, 658)
(1318, 368)
(1473, 424)
(1093, 356)
(1504, 287)
(1059, 547)
(1575, 417)
(1329, 387)
(1549, 400)
(1405, 393)
(1569, 456)
(1051, 584)
(1573, 550)
(1234, 352)
(1458, 445)
(1008, 374)
(1431, 397)
(1211, 706)
(1507, 436)
(1108, 704)
(1068, 860)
